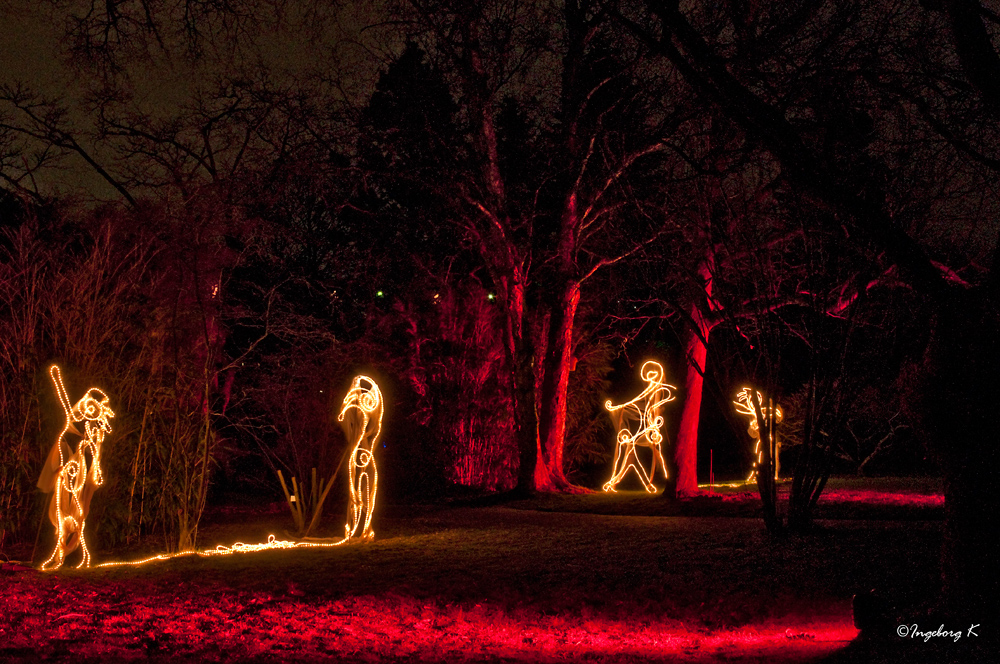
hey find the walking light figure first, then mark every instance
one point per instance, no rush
(73, 476)
(770, 410)
(361, 417)
(638, 422)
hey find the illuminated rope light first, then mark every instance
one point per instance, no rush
(744, 406)
(222, 550)
(69, 476)
(643, 409)
(361, 416)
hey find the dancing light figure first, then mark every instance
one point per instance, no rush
(69, 475)
(638, 422)
(361, 417)
(772, 411)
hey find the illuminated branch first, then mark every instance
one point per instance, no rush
(611, 261)
(67, 473)
(745, 406)
(645, 410)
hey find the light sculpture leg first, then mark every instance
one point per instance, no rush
(69, 476)
(630, 459)
(361, 416)
(644, 411)
(756, 455)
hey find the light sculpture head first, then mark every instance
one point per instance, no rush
(94, 410)
(745, 406)
(365, 397)
(653, 375)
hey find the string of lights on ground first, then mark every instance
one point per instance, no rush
(238, 547)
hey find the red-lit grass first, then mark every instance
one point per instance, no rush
(843, 498)
(486, 584)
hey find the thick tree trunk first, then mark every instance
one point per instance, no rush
(520, 353)
(686, 447)
(557, 363)
(526, 422)
(696, 352)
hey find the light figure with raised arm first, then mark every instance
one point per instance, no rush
(72, 476)
(638, 422)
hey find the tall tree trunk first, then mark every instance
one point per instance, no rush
(696, 352)
(520, 354)
(557, 362)
(686, 447)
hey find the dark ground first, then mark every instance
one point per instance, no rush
(584, 578)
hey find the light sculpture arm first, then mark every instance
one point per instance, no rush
(361, 416)
(68, 474)
(644, 409)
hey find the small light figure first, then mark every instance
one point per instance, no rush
(644, 412)
(379, 294)
(361, 416)
(745, 406)
(68, 474)
(491, 297)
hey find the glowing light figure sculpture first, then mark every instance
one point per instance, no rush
(69, 475)
(639, 423)
(361, 416)
(745, 406)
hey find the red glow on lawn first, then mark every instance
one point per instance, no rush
(228, 625)
(875, 497)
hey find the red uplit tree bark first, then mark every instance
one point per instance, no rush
(696, 352)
